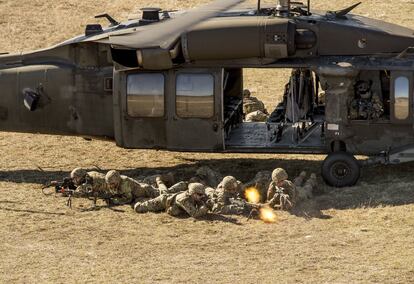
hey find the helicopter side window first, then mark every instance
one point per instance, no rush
(195, 95)
(145, 95)
(401, 92)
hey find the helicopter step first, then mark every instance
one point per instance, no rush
(275, 137)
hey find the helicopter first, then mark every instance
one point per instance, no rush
(174, 80)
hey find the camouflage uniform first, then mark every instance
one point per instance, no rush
(178, 187)
(261, 182)
(377, 107)
(256, 116)
(168, 179)
(305, 191)
(226, 197)
(251, 104)
(176, 204)
(367, 104)
(90, 183)
(125, 190)
(282, 192)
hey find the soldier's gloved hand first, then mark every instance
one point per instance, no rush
(209, 204)
(203, 210)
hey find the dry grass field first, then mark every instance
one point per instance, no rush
(363, 234)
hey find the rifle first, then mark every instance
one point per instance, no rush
(252, 208)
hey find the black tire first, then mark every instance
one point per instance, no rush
(340, 169)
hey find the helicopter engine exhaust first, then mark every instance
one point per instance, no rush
(254, 37)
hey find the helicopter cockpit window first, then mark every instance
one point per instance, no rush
(401, 92)
(145, 93)
(195, 95)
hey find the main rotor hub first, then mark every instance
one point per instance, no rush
(150, 15)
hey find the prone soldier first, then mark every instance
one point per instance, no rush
(125, 190)
(88, 183)
(190, 202)
(226, 197)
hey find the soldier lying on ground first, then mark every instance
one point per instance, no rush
(282, 192)
(82, 184)
(88, 183)
(226, 197)
(189, 202)
(126, 190)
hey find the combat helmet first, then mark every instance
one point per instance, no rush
(229, 183)
(113, 178)
(78, 173)
(196, 188)
(363, 89)
(302, 174)
(279, 175)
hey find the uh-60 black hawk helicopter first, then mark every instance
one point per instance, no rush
(174, 80)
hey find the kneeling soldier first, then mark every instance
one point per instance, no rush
(282, 192)
(226, 197)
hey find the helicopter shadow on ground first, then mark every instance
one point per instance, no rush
(243, 169)
(377, 186)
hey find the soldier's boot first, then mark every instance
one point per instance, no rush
(178, 187)
(140, 207)
(161, 185)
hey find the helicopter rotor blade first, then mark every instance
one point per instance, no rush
(165, 34)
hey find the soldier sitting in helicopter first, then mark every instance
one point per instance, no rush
(367, 104)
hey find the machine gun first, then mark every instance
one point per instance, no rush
(66, 187)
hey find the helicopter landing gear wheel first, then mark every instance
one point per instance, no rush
(340, 169)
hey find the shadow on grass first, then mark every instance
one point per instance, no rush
(30, 211)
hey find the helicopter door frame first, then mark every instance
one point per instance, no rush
(401, 90)
(137, 127)
(200, 128)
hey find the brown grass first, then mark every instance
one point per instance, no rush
(361, 234)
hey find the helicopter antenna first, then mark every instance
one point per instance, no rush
(109, 18)
(258, 6)
(309, 3)
(344, 12)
